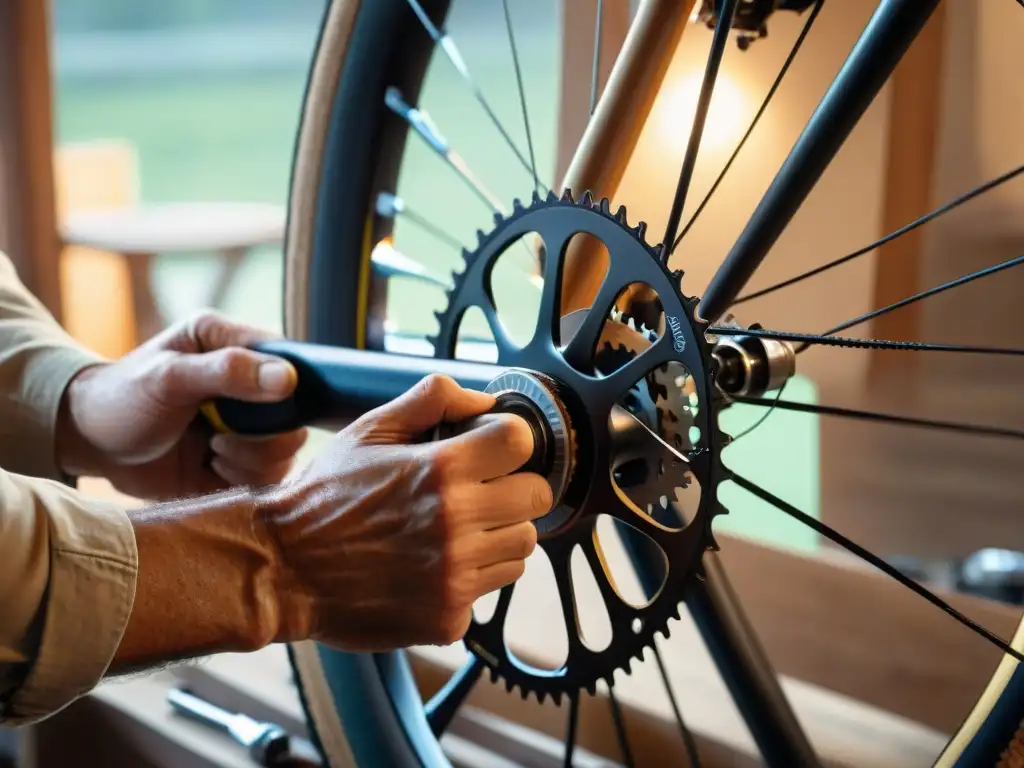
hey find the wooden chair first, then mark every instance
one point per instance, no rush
(111, 242)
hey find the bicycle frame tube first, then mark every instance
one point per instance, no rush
(747, 671)
(735, 650)
(893, 27)
(611, 135)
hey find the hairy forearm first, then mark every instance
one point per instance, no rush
(207, 582)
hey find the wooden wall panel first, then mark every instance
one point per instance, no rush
(915, 94)
(28, 226)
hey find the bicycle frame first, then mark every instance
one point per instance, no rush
(336, 385)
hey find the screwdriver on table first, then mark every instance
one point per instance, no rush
(268, 744)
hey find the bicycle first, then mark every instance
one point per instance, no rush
(623, 369)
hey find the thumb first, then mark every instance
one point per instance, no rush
(231, 372)
(434, 399)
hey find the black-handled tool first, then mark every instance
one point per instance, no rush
(336, 384)
(268, 744)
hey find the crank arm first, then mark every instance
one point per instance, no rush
(337, 385)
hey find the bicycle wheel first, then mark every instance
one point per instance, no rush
(372, 58)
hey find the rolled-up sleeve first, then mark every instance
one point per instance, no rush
(68, 567)
(68, 564)
(37, 361)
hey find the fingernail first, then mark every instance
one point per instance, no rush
(276, 377)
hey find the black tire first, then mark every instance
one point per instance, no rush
(363, 710)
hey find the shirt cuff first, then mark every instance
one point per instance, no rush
(29, 433)
(89, 596)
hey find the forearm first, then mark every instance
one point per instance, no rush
(206, 582)
(88, 590)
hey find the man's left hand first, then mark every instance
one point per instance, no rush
(137, 423)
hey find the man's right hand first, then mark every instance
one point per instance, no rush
(384, 542)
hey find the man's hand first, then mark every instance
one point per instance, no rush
(382, 542)
(136, 421)
(385, 543)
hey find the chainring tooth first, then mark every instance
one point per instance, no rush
(628, 642)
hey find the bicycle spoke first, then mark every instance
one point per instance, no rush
(887, 418)
(707, 86)
(620, 730)
(391, 206)
(844, 341)
(596, 66)
(570, 730)
(753, 123)
(447, 45)
(444, 704)
(832, 535)
(941, 210)
(924, 295)
(387, 261)
(688, 740)
(424, 127)
(522, 97)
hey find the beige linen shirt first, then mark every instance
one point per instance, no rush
(67, 564)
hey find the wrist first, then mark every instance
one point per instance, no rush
(207, 582)
(272, 506)
(76, 455)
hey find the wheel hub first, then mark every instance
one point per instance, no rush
(534, 398)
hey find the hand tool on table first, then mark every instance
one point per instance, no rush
(268, 744)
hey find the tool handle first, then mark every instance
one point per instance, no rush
(336, 384)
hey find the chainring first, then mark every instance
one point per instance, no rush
(590, 397)
(653, 400)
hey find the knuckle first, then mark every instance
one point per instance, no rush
(453, 626)
(236, 365)
(517, 437)
(204, 317)
(445, 512)
(516, 571)
(441, 467)
(436, 385)
(458, 592)
(540, 497)
(201, 322)
(527, 540)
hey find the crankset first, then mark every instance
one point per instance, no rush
(596, 387)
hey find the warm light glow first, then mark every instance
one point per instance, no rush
(726, 116)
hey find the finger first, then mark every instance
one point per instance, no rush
(498, 445)
(509, 500)
(511, 542)
(255, 455)
(230, 372)
(498, 575)
(434, 399)
(209, 331)
(235, 475)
